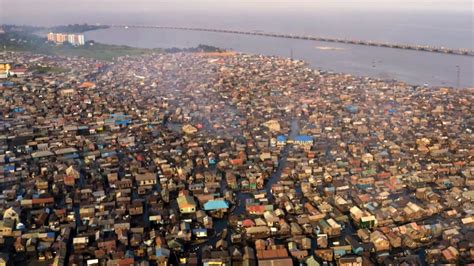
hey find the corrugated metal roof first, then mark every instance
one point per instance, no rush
(66, 150)
(40, 154)
(185, 201)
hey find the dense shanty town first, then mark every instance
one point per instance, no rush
(229, 159)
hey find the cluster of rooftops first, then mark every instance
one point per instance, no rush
(230, 159)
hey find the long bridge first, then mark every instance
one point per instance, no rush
(425, 48)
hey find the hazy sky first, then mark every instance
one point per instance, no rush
(58, 11)
(20, 6)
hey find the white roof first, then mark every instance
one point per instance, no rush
(80, 240)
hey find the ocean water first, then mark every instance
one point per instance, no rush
(452, 29)
(413, 67)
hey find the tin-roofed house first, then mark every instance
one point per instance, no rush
(186, 204)
(145, 182)
(363, 219)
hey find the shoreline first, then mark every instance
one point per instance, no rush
(108, 51)
(428, 68)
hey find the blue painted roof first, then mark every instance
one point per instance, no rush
(339, 251)
(123, 122)
(108, 154)
(117, 115)
(351, 108)
(370, 207)
(162, 252)
(9, 168)
(216, 205)
(304, 138)
(7, 84)
(281, 138)
(71, 156)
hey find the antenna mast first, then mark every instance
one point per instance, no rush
(458, 76)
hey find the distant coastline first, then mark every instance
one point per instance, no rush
(31, 39)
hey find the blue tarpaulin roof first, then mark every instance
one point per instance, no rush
(304, 138)
(216, 205)
(7, 84)
(281, 138)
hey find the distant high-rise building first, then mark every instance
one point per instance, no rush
(51, 37)
(80, 39)
(71, 39)
(74, 39)
(61, 38)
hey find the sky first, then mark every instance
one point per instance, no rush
(46, 12)
(26, 6)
